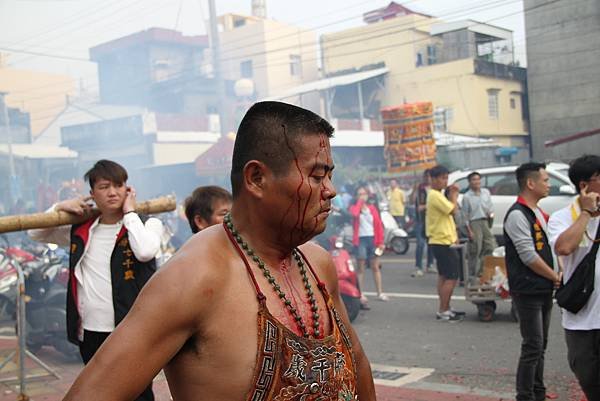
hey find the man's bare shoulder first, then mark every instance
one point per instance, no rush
(205, 260)
(321, 261)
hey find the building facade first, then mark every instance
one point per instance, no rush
(465, 68)
(41, 95)
(564, 77)
(274, 55)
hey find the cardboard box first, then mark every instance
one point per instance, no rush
(489, 268)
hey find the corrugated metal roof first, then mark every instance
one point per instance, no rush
(332, 82)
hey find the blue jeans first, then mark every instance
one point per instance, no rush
(421, 245)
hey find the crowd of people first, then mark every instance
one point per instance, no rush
(250, 256)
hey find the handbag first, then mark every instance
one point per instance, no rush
(573, 295)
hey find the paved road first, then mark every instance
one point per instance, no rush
(403, 332)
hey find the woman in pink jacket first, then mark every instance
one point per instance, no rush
(368, 239)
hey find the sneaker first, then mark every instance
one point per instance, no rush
(458, 312)
(448, 316)
(383, 297)
(417, 273)
(431, 269)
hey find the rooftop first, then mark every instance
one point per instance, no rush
(149, 36)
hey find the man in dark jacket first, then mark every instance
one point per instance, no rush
(531, 276)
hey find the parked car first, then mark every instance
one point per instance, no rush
(502, 184)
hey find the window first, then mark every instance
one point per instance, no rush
(555, 185)
(431, 55)
(295, 65)
(449, 114)
(493, 111)
(419, 59)
(442, 116)
(439, 120)
(513, 103)
(502, 184)
(463, 185)
(246, 69)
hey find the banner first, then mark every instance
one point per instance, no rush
(408, 131)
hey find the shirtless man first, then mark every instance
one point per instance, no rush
(247, 310)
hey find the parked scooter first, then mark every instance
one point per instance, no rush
(347, 279)
(46, 287)
(395, 238)
(46, 278)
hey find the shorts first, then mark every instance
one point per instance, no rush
(448, 261)
(366, 248)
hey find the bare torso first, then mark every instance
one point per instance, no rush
(218, 361)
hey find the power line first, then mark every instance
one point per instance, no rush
(193, 79)
(409, 25)
(86, 24)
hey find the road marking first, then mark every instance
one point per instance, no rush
(387, 260)
(412, 378)
(413, 295)
(397, 376)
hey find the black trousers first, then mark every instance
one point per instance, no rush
(534, 321)
(92, 340)
(584, 359)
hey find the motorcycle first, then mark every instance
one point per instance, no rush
(395, 238)
(347, 278)
(46, 278)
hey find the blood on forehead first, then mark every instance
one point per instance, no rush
(319, 156)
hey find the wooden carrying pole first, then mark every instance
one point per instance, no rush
(54, 219)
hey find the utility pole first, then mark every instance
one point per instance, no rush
(216, 61)
(11, 160)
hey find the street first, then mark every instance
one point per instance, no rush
(413, 356)
(469, 356)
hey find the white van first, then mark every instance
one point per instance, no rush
(502, 184)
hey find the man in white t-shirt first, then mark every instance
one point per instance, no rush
(112, 256)
(572, 232)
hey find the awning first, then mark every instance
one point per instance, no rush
(328, 83)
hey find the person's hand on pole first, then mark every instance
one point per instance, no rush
(78, 206)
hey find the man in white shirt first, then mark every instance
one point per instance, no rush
(111, 257)
(572, 233)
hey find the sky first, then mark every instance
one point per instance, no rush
(55, 35)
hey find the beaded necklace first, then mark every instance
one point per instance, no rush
(282, 296)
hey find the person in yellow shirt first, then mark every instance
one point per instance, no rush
(396, 199)
(441, 233)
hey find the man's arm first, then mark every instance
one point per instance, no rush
(144, 238)
(61, 235)
(365, 386)
(517, 228)
(164, 316)
(445, 206)
(569, 240)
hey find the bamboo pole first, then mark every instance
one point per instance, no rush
(54, 219)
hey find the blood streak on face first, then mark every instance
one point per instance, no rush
(282, 230)
(311, 176)
(322, 161)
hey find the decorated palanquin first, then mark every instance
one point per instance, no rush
(409, 143)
